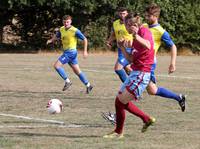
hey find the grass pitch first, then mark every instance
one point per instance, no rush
(28, 81)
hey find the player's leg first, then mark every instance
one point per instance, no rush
(152, 89)
(126, 63)
(122, 69)
(123, 63)
(132, 88)
(119, 70)
(128, 69)
(82, 77)
(60, 70)
(120, 64)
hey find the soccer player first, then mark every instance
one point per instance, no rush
(142, 58)
(118, 32)
(152, 14)
(68, 35)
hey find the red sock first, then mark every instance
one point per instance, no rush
(120, 116)
(130, 107)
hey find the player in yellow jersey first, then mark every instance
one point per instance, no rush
(119, 32)
(69, 35)
(152, 14)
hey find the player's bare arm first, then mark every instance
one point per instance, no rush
(143, 41)
(85, 53)
(172, 66)
(110, 39)
(53, 39)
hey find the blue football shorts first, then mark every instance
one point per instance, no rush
(136, 83)
(153, 67)
(69, 56)
(121, 58)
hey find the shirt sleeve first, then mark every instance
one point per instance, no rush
(58, 34)
(79, 35)
(167, 39)
(145, 33)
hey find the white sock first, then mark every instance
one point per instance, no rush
(88, 84)
(67, 80)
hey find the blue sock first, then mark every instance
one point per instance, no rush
(122, 74)
(62, 73)
(167, 94)
(83, 78)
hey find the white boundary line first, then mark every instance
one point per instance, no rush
(31, 118)
(61, 124)
(43, 126)
(161, 75)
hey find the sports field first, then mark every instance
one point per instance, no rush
(28, 81)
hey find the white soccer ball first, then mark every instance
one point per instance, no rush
(54, 106)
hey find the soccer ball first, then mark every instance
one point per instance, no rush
(54, 106)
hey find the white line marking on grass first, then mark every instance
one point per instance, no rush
(61, 124)
(161, 75)
(44, 126)
(31, 118)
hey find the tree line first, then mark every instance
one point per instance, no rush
(34, 21)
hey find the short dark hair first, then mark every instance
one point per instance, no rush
(66, 17)
(153, 9)
(120, 9)
(132, 15)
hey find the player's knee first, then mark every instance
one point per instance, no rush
(55, 66)
(151, 90)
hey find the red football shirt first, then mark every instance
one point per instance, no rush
(143, 58)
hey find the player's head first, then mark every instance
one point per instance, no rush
(132, 21)
(152, 13)
(122, 13)
(67, 20)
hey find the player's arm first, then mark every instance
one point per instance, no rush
(168, 41)
(80, 36)
(110, 39)
(55, 37)
(143, 37)
(144, 42)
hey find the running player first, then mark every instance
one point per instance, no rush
(142, 59)
(118, 32)
(68, 35)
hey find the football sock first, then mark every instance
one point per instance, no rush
(132, 108)
(83, 78)
(167, 94)
(122, 74)
(67, 80)
(88, 84)
(120, 116)
(61, 72)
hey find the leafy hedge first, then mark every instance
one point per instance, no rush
(181, 18)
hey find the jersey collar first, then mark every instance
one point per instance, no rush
(154, 25)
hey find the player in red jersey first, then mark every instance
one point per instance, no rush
(142, 58)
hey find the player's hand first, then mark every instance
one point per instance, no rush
(120, 43)
(172, 68)
(108, 44)
(49, 41)
(85, 54)
(124, 43)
